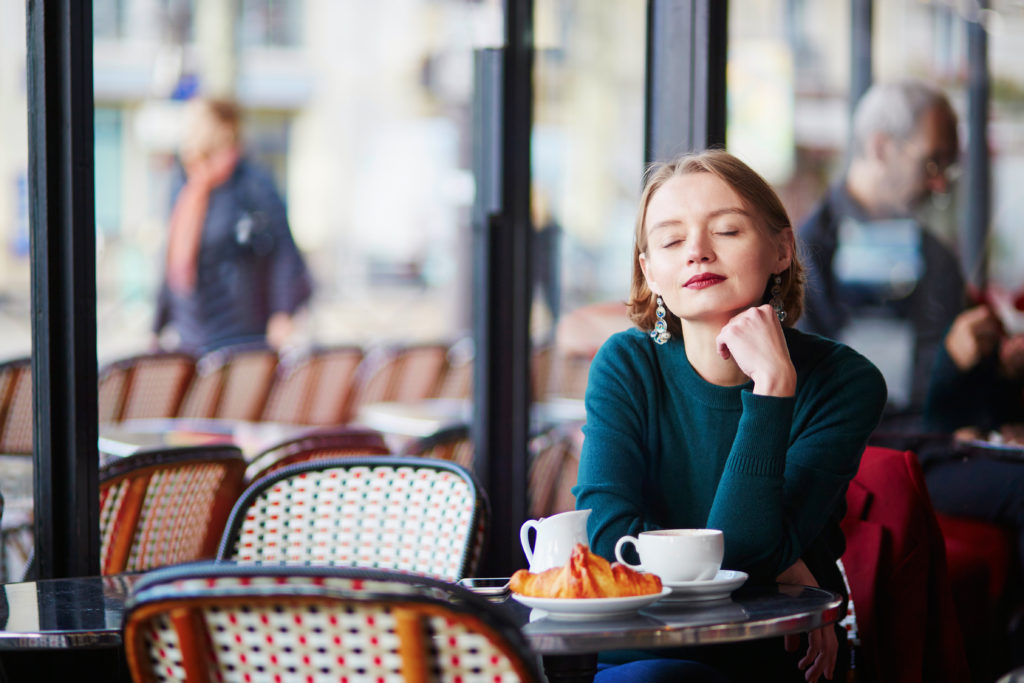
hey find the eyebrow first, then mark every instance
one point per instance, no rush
(732, 210)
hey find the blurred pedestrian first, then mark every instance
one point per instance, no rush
(232, 272)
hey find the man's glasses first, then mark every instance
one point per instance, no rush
(933, 169)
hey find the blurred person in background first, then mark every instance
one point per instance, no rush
(977, 394)
(232, 271)
(878, 278)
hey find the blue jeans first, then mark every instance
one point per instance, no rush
(658, 671)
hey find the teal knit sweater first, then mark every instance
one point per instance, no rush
(664, 448)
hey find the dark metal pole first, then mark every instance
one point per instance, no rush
(861, 12)
(63, 248)
(685, 93)
(502, 282)
(977, 190)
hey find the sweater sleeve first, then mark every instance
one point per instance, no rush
(791, 461)
(979, 397)
(612, 472)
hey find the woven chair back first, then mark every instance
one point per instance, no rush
(554, 463)
(410, 514)
(314, 388)
(166, 507)
(231, 383)
(210, 623)
(328, 443)
(16, 406)
(453, 444)
(145, 386)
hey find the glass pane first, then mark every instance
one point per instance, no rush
(587, 164)
(15, 296)
(358, 117)
(587, 156)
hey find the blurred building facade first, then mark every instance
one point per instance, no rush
(363, 111)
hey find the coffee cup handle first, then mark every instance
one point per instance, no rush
(524, 538)
(618, 552)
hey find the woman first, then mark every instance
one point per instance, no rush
(715, 412)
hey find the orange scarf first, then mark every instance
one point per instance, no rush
(187, 220)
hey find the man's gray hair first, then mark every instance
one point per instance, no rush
(893, 109)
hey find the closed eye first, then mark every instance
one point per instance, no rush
(670, 243)
(728, 233)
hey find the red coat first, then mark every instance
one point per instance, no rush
(896, 565)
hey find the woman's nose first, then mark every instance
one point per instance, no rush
(699, 249)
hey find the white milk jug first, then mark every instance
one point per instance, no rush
(556, 536)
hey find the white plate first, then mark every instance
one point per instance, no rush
(724, 583)
(581, 609)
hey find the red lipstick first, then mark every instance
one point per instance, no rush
(702, 280)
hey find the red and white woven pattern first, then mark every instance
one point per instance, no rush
(404, 518)
(232, 585)
(164, 649)
(305, 642)
(175, 516)
(111, 500)
(462, 655)
(286, 640)
(849, 622)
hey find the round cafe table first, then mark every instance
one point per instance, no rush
(569, 648)
(64, 624)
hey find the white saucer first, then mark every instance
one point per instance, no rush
(724, 583)
(581, 609)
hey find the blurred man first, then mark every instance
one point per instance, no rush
(878, 279)
(232, 270)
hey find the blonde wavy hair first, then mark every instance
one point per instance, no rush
(759, 198)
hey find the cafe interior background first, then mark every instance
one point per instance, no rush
(363, 111)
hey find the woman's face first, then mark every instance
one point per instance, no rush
(707, 256)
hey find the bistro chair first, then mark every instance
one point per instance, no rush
(315, 387)
(569, 374)
(232, 383)
(16, 406)
(209, 622)
(327, 443)
(150, 385)
(409, 514)
(458, 374)
(402, 373)
(166, 506)
(554, 461)
(453, 444)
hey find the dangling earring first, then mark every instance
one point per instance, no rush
(660, 333)
(776, 302)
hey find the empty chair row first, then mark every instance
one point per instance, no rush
(322, 386)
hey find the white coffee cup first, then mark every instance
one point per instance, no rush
(677, 554)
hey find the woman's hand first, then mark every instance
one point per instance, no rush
(755, 341)
(822, 645)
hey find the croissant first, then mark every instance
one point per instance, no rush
(585, 576)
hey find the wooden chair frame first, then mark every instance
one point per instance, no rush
(126, 499)
(180, 596)
(319, 445)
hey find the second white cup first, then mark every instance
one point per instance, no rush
(677, 554)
